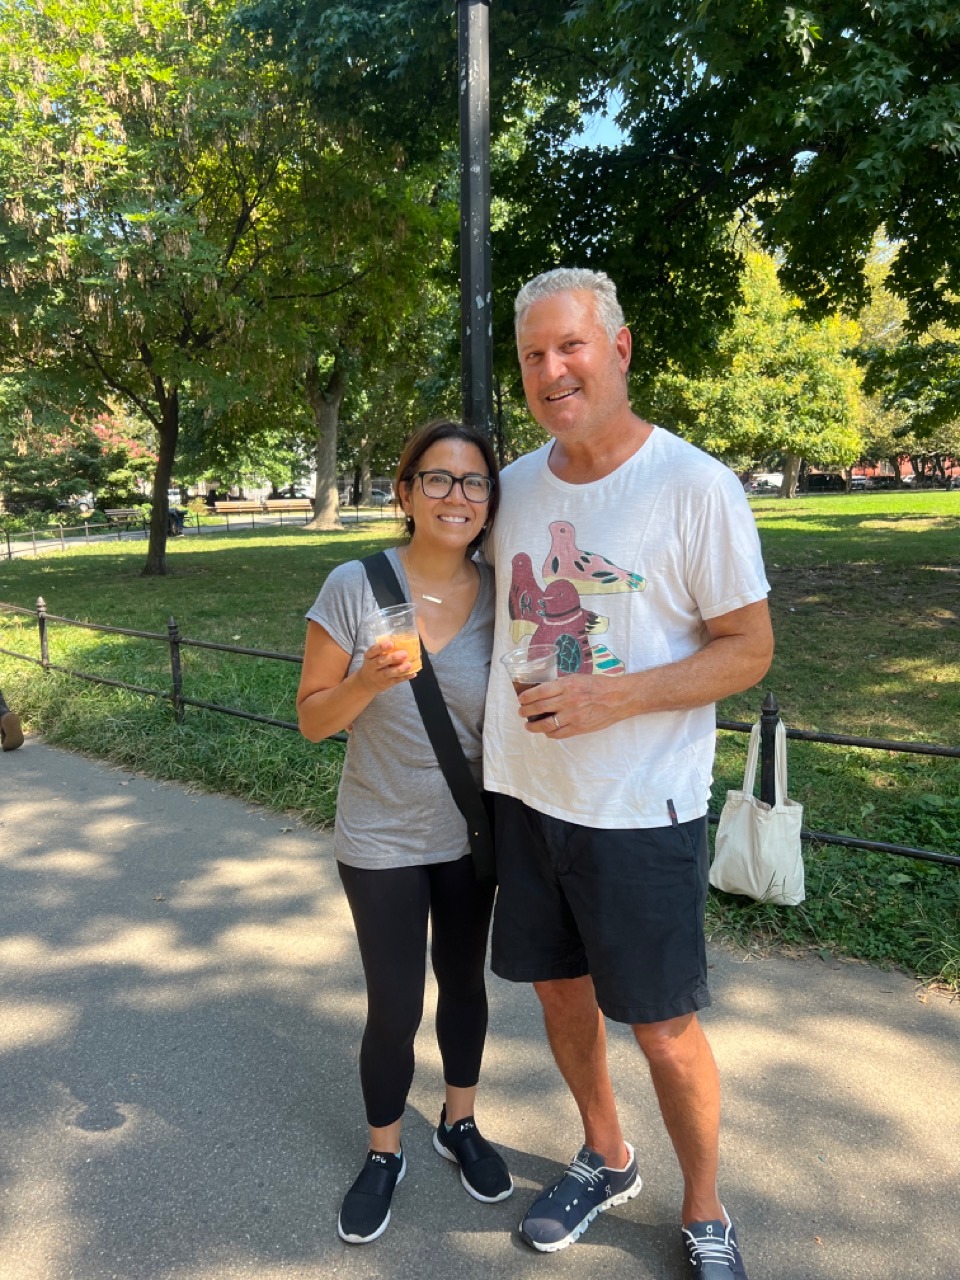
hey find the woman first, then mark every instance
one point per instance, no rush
(401, 843)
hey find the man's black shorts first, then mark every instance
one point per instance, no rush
(625, 906)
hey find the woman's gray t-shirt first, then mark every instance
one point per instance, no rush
(394, 807)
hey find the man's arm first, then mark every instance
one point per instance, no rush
(736, 657)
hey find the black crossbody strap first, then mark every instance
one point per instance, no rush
(436, 720)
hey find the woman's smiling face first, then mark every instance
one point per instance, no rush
(453, 520)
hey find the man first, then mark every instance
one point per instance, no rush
(11, 735)
(638, 557)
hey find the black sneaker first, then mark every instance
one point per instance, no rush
(365, 1211)
(713, 1252)
(483, 1170)
(562, 1213)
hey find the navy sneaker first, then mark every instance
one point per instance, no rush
(562, 1213)
(365, 1211)
(483, 1170)
(713, 1252)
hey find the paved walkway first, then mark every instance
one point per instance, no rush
(180, 1007)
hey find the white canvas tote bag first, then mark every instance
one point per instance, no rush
(757, 850)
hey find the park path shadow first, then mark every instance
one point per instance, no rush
(181, 1007)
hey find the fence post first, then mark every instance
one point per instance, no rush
(173, 632)
(9, 548)
(63, 545)
(769, 719)
(42, 628)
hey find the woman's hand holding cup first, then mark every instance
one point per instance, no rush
(393, 656)
(385, 664)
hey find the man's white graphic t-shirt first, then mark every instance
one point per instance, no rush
(620, 575)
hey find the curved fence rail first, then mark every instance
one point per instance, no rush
(65, 537)
(769, 715)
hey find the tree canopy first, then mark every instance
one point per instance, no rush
(781, 383)
(831, 122)
(175, 227)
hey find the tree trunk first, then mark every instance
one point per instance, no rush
(366, 479)
(167, 431)
(791, 474)
(325, 403)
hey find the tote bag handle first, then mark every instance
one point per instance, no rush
(780, 763)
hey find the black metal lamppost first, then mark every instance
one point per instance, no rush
(476, 288)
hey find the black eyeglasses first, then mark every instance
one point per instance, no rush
(437, 484)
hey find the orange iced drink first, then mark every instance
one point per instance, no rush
(398, 624)
(409, 641)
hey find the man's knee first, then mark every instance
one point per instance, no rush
(669, 1042)
(564, 995)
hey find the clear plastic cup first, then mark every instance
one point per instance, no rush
(529, 666)
(398, 623)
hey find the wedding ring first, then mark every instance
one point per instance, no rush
(556, 722)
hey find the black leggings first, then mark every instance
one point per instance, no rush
(390, 910)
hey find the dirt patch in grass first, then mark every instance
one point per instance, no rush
(910, 521)
(846, 589)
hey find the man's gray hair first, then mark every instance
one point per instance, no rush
(564, 279)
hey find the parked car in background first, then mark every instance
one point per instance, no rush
(765, 482)
(857, 482)
(79, 502)
(824, 482)
(379, 498)
(292, 491)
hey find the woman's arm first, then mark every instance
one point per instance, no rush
(328, 699)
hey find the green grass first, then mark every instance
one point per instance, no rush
(248, 588)
(866, 605)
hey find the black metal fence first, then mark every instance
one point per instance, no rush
(179, 700)
(60, 537)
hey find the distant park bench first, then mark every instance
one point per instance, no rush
(288, 504)
(124, 517)
(238, 508)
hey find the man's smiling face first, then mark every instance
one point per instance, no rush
(574, 374)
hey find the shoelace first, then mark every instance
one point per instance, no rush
(711, 1248)
(580, 1170)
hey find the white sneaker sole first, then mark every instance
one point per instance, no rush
(447, 1154)
(555, 1245)
(348, 1239)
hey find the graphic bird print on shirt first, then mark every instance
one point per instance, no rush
(525, 593)
(554, 615)
(566, 624)
(591, 574)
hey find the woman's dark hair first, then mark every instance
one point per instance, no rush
(431, 434)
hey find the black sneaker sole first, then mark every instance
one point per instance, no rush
(447, 1154)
